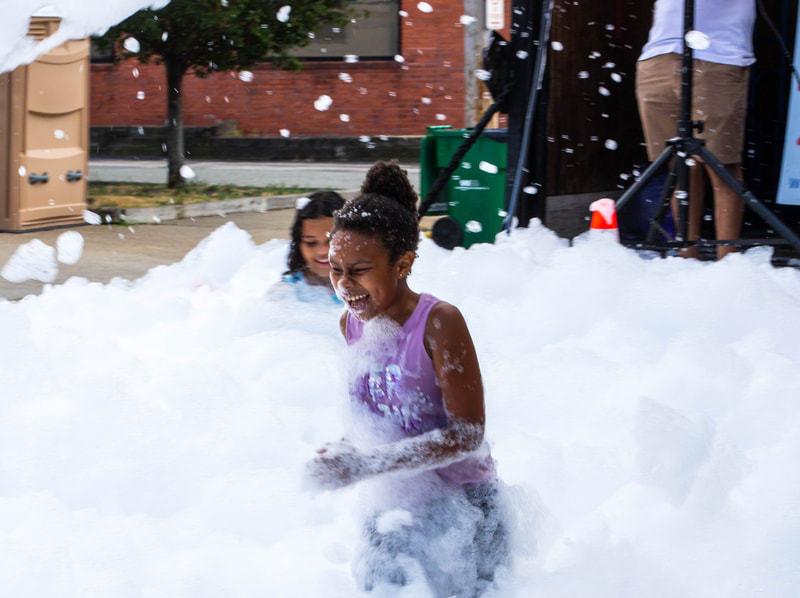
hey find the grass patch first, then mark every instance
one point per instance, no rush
(148, 195)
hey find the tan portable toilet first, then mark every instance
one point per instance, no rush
(44, 136)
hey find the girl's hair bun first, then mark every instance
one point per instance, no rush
(391, 181)
(386, 210)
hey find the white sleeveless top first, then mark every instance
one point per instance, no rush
(727, 23)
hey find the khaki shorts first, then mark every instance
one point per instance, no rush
(720, 99)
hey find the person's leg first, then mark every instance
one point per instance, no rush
(721, 100)
(697, 185)
(491, 538)
(658, 99)
(378, 558)
(728, 210)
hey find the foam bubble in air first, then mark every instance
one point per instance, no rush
(323, 102)
(69, 246)
(132, 45)
(283, 13)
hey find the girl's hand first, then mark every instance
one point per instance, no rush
(336, 465)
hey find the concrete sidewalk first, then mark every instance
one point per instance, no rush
(129, 251)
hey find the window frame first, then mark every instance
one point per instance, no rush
(306, 53)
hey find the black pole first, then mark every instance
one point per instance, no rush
(685, 128)
(530, 113)
(685, 125)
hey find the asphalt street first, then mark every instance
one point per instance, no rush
(128, 251)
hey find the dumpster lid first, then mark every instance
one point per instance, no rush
(497, 134)
(448, 131)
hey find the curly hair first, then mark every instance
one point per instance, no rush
(321, 204)
(386, 210)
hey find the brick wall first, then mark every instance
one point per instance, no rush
(373, 98)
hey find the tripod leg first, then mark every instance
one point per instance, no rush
(750, 200)
(681, 198)
(656, 222)
(647, 175)
(692, 206)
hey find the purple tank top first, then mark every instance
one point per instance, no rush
(395, 384)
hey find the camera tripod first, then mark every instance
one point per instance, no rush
(678, 150)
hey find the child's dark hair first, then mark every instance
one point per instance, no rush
(321, 204)
(386, 209)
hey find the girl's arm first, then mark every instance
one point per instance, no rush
(449, 344)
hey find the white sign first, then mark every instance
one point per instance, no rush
(495, 14)
(789, 182)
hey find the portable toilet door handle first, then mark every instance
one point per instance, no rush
(74, 176)
(38, 178)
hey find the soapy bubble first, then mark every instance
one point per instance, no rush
(697, 40)
(132, 45)
(323, 102)
(283, 13)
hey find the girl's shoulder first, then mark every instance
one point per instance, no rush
(444, 320)
(295, 285)
(436, 306)
(428, 304)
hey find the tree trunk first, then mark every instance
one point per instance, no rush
(175, 145)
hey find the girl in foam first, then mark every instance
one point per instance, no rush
(309, 269)
(416, 416)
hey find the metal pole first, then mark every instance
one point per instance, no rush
(530, 113)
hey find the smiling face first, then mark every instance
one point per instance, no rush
(364, 278)
(314, 243)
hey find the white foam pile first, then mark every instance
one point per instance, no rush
(644, 412)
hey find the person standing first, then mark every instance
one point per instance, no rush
(720, 84)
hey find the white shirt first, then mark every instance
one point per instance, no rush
(727, 23)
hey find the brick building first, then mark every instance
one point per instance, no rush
(422, 73)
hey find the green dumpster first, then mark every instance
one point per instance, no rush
(474, 197)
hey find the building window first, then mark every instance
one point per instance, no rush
(375, 34)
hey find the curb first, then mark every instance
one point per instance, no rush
(158, 214)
